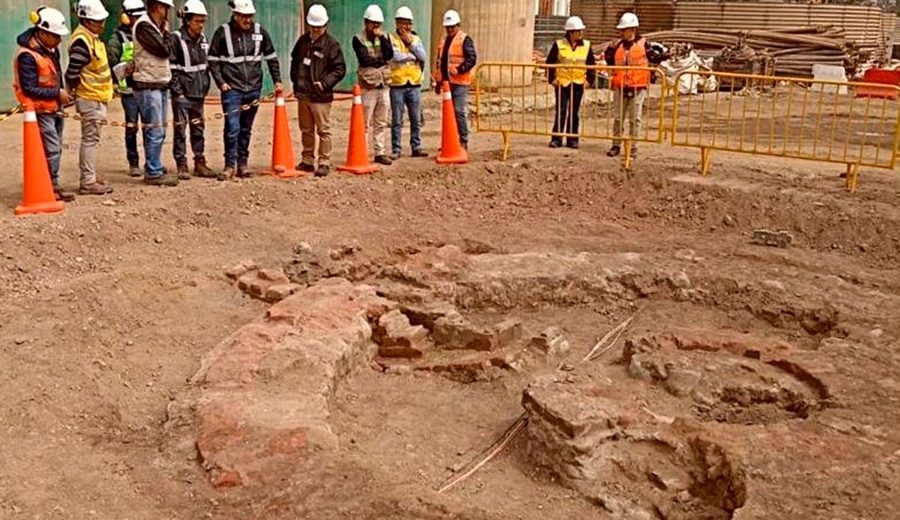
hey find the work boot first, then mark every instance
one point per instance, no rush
(163, 180)
(383, 159)
(306, 167)
(226, 174)
(323, 170)
(572, 144)
(614, 151)
(134, 170)
(555, 143)
(634, 153)
(245, 172)
(183, 172)
(95, 188)
(63, 195)
(201, 169)
(395, 156)
(419, 153)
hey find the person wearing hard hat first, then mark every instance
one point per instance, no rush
(120, 51)
(629, 86)
(152, 76)
(190, 85)
(569, 83)
(89, 77)
(374, 52)
(454, 63)
(38, 81)
(406, 83)
(236, 53)
(317, 66)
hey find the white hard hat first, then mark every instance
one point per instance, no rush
(50, 20)
(317, 16)
(167, 3)
(243, 7)
(575, 23)
(451, 18)
(628, 21)
(404, 13)
(91, 10)
(134, 7)
(194, 7)
(374, 14)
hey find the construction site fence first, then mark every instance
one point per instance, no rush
(851, 123)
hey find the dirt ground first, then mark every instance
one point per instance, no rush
(108, 308)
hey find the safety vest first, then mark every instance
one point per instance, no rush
(48, 77)
(455, 59)
(407, 72)
(371, 77)
(126, 57)
(634, 57)
(96, 78)
(190, 67)
(257, 47)
(147, 67)
(570, 56)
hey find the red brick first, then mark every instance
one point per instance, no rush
(274, 275)
(240, 269)
(276, 293)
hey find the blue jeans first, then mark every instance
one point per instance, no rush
(153, 105)
(51, 126)
(402, 99)
(238, 125)
(460, 94)
(132, 117)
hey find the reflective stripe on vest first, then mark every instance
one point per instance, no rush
(635, 57)
(188, 66)
(371, 77)
(229, 44)
(570, 56)
(455, 58)
(48, 77)
(127, 56)
(406, 72)
(96, 77)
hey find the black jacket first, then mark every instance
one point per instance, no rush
(157, 43)
(321, 60)
(191, 80)
(243, 71)
(28, 69)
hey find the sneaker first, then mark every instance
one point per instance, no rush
(163, 180)
(572, 144)
(419, 153)
(63, 195)
(226, 174)
(135, 171)
(202, 170)
(383, 159)
(183, 172)
(95, 188)
(244, 172)
(614, 151)
(395, 156)
(555, 144)
(323, 170)
(306, 167)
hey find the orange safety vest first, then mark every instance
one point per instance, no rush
(454, 59)
(48, 77)
(634, 57)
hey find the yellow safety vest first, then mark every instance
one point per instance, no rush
(570, 56)
(96, 78)
(408, 72)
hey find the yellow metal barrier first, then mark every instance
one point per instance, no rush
(516, 98)
(794, 118)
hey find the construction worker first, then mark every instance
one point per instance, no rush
(629, 86)
(190, 85)
(89, 77)
(374, 53)
(236, 54)
(406, 83)
(317, 66)
(120, 51)
(454, 63)
(569, 83)
(38, 81)
(152, 76)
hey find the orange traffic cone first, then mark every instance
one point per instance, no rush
(357, 149)
(283, 159)
(452, 151)
(37, 188)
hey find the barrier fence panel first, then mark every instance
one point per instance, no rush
(798, 118)
(518, 98)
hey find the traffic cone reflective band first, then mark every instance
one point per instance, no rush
(452, 151)
(282, 147)
(37, 188)
(357, 149)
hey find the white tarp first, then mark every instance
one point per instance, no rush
(690, 83)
